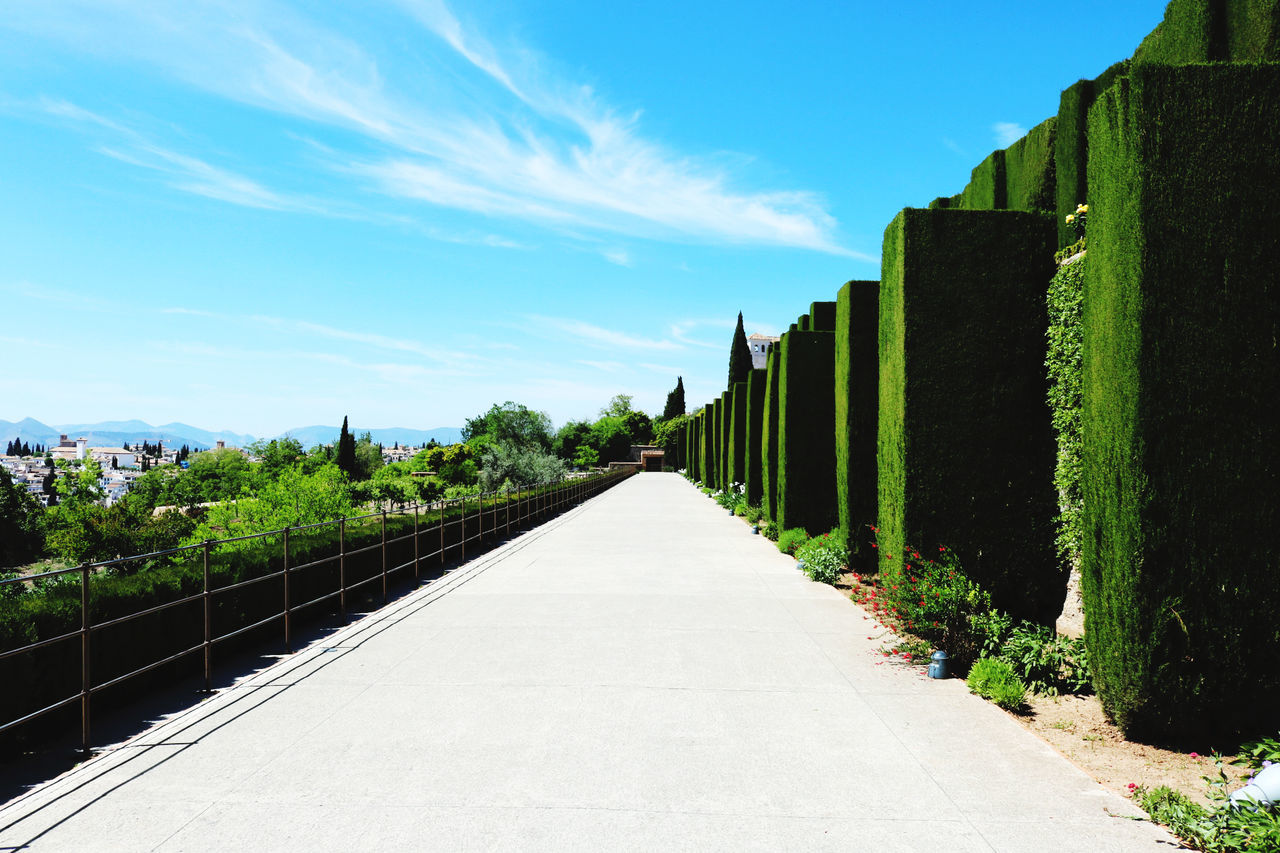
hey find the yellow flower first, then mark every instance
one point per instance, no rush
(1083, 208)
(1071, 217)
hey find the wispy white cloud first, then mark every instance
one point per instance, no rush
(606, 366)
(681, 332)
(953, 146)
(511, 140)
(617, 256)
(597, 336)
(1007, 133)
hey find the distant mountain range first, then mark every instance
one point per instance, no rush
(115, 433)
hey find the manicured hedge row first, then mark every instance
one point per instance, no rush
(987, 185)
(706, 446)
(757, 400)
(856, 390)
(722, 439)
(769, 433)
(39, 678)
(806, 440)
(1195, 31)
(965, 443)
(822, 317)
(1029, 171)
(1071, 146)
(736, 471)
(1181, 378)
(692, 440)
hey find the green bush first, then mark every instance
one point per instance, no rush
(825, 557)
(987, 185)
(1046, 661)
(1029, 170)
(1195, 31)
(994, 680)
(757, 399)
(769, 436)
(1221, 828)
(753, 513)
(736, 434)
(822, 317)
(1064, 362)
(856, 377)
(965, 443)
(1071, 145)
(790, 540)
(1180, 468)
(806, 434)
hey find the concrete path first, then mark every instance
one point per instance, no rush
(639, 674)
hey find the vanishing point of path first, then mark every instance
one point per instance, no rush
(639, 674)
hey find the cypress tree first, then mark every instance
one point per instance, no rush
(739, 355)
(346, 450)
(675, 401)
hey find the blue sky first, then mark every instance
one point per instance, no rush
(259, 215)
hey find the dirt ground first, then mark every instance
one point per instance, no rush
(1077, 728)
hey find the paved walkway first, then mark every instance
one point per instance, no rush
(639, 674)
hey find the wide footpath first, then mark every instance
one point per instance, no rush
(639, 674)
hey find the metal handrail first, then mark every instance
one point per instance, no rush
(530, 503)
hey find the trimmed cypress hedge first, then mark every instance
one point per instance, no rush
(856, 388)
(1181, 375)
(965, 442)
(737, 456)
(987, 184)
(691, 445)
(822, 317)
(769, 434)
(802, 323)
(717, 448)
(806, 438)
(726, 430)
(1030, 183)
(707, 447)
(1192, 31)
(757, 400)
(1071, 147)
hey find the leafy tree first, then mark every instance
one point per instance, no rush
(21, 523)
(510, 423)
(503, 465)
(739, 355)
(277, 456)
(570, 438)
(675, 400)
(293, 499)
(368, 457)
(639, 427)
(619, 405)
(346, 450)
(665, 437)
(217, 475)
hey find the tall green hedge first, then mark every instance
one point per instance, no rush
(802, 323)
(692, 439)
(1071, 146)
(722, 439)
(1181, 377)
(806, 434)
(1196, 31)
(769, 434)
(707, 447)
(856, 390)
(822, 317)
(1030, 176)
(965, 444)
(757, 400)
(987, 185)
(736, 470)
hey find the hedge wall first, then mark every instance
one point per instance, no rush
(806, 438)
(717, 445)
(757, 400)
(726, 430)
(1030, 183)
(1181, 375)
(856, 380)
(822, 317)
(965, 444)
(1195, 31)
(737, 456)
(802, 323)
(1071, 147)
(692, 437)
(769, 434)
(707, 447)
(986, 189)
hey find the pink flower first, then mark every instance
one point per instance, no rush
(1132, 786)
(1195, 755)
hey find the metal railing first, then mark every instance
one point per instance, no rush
(493, 512)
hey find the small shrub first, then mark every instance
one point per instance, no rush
(753, 514)
(1048, 662)
(994, 679)
(825, 557)
(770, 531)
(790, 540)
(991, 630)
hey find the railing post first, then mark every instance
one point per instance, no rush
(481, 500)
(463, 536)
(384, 556)
(442, 532)
(85, 685)
(208, 625)
(288, 634)
(416, 572)
(342, 566)
(506, 509)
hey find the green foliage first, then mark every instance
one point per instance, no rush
(22, 521)
(291, 500)
(757, 399)
(1064, 362)
(619, 406)
(706, 445)
(668, 434)
(806, 434)
(1221, 828)
(1258, 753)
(1179, 388)
(1046, 661)
(769, 435)
(512, 424)
(965, 445)
(675, 401)
(739, 355)
(994, 680)
(505, 466)
(770, 531)
(736, 455)
(825, 557)
(790, 540)
(1071, 144)
(822, 316)
(856, 378)
(732, 497)
(987, 185)
(346, 450)
(1030, 177)
(753, 513)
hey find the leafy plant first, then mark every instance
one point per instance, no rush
(994, 679)
(1258, 754)
(770, 531)
(825, 557)
(790, 540)
(753, 514)
(1048, 662)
